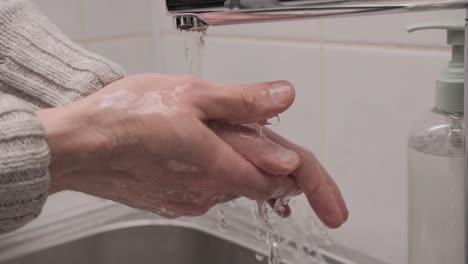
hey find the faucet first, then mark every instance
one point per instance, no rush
(196, 15)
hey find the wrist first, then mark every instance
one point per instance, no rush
(74, 145)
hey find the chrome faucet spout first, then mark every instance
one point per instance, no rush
(189, 23)
(197, 15)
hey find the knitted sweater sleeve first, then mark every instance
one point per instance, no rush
(39, 68)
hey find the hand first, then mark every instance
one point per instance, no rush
(310, 177)
(143, 141)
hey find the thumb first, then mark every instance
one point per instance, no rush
(247, 102)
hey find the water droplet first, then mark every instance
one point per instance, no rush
(233, 204)
(274, 121)
(222, 223)
(259, 257)
(281, 204)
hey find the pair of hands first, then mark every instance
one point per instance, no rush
(178, 145)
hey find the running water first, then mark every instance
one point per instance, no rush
(194, 46)
(273, 236)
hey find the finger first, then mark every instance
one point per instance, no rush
(250, 143)
(244, 103)
(226, 171)
(319, 194)
(244, 179)
(233, 174)
(323, 197)
(336, 191)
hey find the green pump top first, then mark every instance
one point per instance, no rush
(449, 95)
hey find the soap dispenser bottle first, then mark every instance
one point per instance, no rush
(436, 146)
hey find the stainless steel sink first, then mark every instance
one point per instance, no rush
(106, 232)
(146, 244)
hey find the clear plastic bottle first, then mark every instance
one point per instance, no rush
(436, 189)
(436, 165)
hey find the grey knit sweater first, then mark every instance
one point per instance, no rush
(39, 68)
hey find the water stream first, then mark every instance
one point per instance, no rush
(194, 42)
(270, 227)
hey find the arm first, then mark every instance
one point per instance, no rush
(39, 68)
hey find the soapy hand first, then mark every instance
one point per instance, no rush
(310, 177)
(151, 142)
(144, 141)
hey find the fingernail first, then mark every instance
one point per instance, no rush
(285, 155)
(280, 93)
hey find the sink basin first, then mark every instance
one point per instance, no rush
(109, 233)
(145, 244)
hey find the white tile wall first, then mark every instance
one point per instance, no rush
(122, 30)
(68, 14)
(360, 83)
(136, 53)
(106, 18)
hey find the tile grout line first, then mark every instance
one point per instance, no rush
(323, 83)
(318, 42)
(81, 11)
(157, 36)
(117, 37)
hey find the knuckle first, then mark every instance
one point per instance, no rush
(317, 189)
(289, 186)
(249, 99)
(268, 164)
(193, 80)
